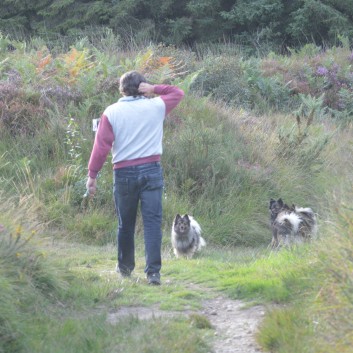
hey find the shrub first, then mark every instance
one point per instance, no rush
(222, 77)
(20, 111)
(301, 143)
(240, 83)
(345, 104)
(312, 71)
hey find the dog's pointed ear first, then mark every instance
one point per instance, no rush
(272, 201)
(280, 202)
(186, 216)
(177, 217)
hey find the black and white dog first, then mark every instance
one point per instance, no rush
(291, 225)
(186, 236)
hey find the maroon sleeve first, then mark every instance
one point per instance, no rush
(171, 95)
(101, 148)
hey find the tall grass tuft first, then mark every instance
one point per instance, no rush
(334, 307)
(28, 280)
(281, 328)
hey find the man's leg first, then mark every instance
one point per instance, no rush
(151, 209)
(126, 202)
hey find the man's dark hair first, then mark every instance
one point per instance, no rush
(129, 83)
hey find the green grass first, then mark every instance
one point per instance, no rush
(287, 330)
(90, 332)
(60, 302)
(262, 275)
(252, 274)
(70, 287)
(73, 287)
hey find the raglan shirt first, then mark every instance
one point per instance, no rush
(132, 129)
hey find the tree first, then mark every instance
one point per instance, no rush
(320, 22)
(258, 23)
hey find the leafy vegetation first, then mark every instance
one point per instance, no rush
(260, 25)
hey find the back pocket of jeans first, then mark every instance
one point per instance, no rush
(122, 186)
(155, 181)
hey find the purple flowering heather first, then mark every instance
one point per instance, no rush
(335, 67)
(321, 71)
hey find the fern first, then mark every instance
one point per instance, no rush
(299, 142)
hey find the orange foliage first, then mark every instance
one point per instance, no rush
(76, 62)
(165, 60)
(43, 62)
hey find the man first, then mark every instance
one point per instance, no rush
(132, 129)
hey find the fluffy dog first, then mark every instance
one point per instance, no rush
(186, 236)
(291, 225)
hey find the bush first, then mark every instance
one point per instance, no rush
(20, 112)
(222, 77)
(240, 83)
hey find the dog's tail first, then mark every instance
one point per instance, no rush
(292, 218)
(309, 218)
(201, 243)
(304, 210)
(195, 225)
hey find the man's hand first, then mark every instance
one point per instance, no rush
(146, 88)
(91, 186)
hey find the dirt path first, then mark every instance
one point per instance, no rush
(235, 324)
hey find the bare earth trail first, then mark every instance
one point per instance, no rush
(235, 324)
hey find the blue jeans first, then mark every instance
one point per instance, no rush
(142, 183)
